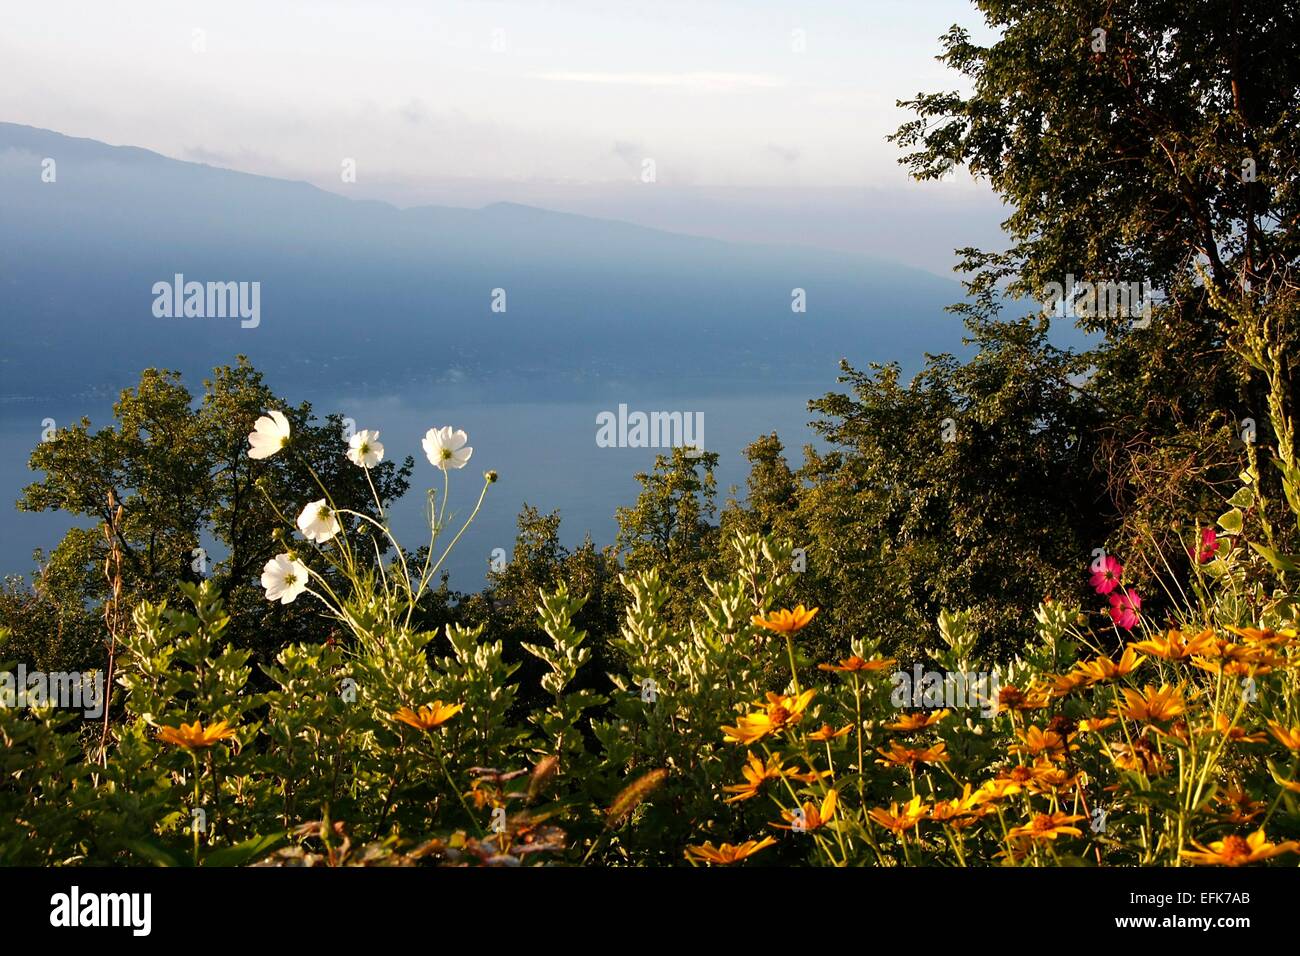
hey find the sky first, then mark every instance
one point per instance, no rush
(761, 120)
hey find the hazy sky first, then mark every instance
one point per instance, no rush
(765, 119)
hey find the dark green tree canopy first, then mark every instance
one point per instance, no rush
(186, 487)
(1136, 139)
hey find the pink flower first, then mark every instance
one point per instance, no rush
(1106, 574)
(1124, 609)
(1209, 546)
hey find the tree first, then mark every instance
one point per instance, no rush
(186, 486)
(1140, 141)
(960, 489)
(669, 526)
(773, 491)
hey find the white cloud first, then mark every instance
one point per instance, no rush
(702, 82)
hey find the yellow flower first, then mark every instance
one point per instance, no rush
(429, 715)
(1250, 654)
(1011, 697)
(900, 756)
(1048, 778)
(756, 774)
(194, 736)
(480, 796)
(944, 811)
(1234, 850)
(786, 622)
(1017, 774)
(855, 663)
(1103, 669)
(786, 709)
(1239, 808)
(726, 854)
(781, 711)
(1037, 741)
(1238, 660)
(748, 729)
(1290, 739)
(1048, 826)
(1254, 635)
(1063, 684)
(827, 732)
(1175, 646)
(814, 817)
(1091, 724)
(918, 720)
(960, 811)
(1224, 725)
(812, 776)
(1152, 705)
(997, 788)
(912, 813)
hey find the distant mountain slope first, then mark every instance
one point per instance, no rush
(373, 296)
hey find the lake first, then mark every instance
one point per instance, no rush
(546, 454)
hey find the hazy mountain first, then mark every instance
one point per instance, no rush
(372, 296)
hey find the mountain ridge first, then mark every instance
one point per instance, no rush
(415, 294)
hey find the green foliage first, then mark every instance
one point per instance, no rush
(669, 527)
(182, 478)
(539, 562)
(1132, 142)
(46, 796)
(946, 521)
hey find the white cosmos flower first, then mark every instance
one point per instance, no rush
(445, 447)
(317, 522)
(284, 578)
(365, 449)
(269, 435)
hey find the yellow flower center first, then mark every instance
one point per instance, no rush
(1235, 846)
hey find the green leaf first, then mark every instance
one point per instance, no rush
(156, 854)
(1286, 563)
(1230, 521)
(1244, 498)
(242, 853)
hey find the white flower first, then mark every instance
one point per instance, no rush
(269, 435)
(446, 448)
(317, 522)
(365, 449)
(284, 578)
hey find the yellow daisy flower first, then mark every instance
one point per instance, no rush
(785, 621)
(194, 736)
(726, 854)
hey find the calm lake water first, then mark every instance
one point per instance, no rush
(546, 454)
